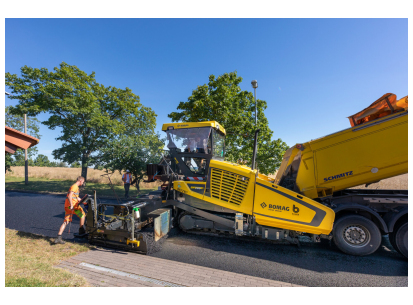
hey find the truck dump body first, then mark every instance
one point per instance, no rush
(362, 154)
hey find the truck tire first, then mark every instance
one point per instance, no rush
(398, 238)
(356, 235)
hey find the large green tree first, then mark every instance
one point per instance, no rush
(223, 101)
(132, 153)
(17, 122)
(90, 114)
(42, 161)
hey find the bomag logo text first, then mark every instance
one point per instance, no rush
(338, 176)
(278, 207)
(197, 188)
(182, 125)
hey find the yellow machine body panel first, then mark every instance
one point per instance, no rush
(231, 186)
(184, 125)
(279, 207)
(237, 187)
(358, 155)
(191, 188)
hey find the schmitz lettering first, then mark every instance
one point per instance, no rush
(350, 173)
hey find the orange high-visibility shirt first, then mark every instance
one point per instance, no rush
(75, 197)
(125, 177)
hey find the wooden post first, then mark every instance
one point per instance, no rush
(26, 164)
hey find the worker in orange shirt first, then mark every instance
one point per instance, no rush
(72, 207)
(127, 178)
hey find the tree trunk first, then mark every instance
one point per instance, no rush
(137, 185)
(84, 166)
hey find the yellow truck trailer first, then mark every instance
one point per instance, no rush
(362, 154)
(309, 196)
(372, 149)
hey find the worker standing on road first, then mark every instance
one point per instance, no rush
(127, 178)
(72, 207)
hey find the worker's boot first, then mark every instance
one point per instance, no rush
(82, 231)
(59, 240)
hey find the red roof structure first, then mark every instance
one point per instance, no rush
(16, 139)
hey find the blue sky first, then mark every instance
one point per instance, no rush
(313, 73)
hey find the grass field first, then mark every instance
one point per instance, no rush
(59, 180)
(393, 183)
(64, 173)
(29, 261)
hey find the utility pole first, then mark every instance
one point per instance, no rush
(254, 84)
(26, 163)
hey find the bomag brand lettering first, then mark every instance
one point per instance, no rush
(197, 188)
(278, 207)
(183, 125)
(338, 176)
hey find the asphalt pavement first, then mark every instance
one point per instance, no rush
(309, 265)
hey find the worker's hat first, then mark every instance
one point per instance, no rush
(127, 171)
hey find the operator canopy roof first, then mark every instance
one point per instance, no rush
(212, 124)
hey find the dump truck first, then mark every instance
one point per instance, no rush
(311, 195)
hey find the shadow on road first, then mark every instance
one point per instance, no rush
(311, 256)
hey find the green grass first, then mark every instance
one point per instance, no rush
(62, 186)
(30, 261)
(25, 282)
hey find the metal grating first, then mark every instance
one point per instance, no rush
(227, 186)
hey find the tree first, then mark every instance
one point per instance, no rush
(19, 160)
(32, 125)
(61, 164)
(42, 161)
(75, 165)
(8, 161)
(223, 101)
(53, 164)
(90, 114)
(132, 153)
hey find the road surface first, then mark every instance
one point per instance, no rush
(310, 265)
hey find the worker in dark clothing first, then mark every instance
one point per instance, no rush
(72, 207)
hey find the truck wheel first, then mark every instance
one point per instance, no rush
(356, 235)
(398, 238)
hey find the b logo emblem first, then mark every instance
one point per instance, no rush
(263, 205)
(296, 209)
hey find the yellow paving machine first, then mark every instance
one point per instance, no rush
(311, 194)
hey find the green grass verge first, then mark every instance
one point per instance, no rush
(30, 261)
(62, 186)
